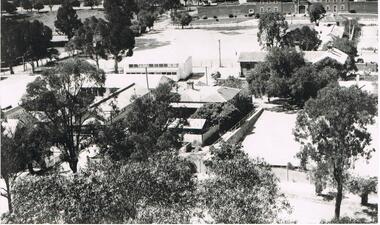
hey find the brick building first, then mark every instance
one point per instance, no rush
(246, 7)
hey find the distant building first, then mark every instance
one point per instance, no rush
(172, 66)
(248, 60)
(333, 6)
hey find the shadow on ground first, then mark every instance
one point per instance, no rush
(149, 43)
(283, 105)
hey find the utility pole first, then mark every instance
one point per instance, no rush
(206, 75)
(220, 57)
(146, 76)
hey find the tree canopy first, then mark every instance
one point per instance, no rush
(109, 192)
(332, 129)
(67, 20)
(316, 12)
(306, 38)
(272, 28)
(59, 95)
(239, 182)
(92, 38)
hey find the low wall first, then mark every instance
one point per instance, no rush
(239, 134)
(364, 7)
(222, 11)
(368, 67)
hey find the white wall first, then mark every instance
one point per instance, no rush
(185, 69)
(191, 138)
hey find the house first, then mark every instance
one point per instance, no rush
(195, 131)
(170, 65)
(194, 97)
(248, 60)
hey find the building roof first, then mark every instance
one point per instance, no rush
(121, 98)
(156, 58)
(13, 88)
(123, 80)
(252, 56)
(207, 94)
(309, 56)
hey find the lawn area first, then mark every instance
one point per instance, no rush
(48, 18)
(272, 139)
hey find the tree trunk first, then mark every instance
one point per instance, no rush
(32, 63)
(338, 200)
(73, 163)
(11, 69)
(9, 196)
(364, 199)
(318, 187)
(37, 63)
(116, 65)
(97, 60)
(30, 168)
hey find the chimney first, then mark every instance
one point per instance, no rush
(190, 85)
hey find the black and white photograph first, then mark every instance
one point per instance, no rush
(189, 112)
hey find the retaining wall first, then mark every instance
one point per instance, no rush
(239, 134)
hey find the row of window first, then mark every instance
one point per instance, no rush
(275, 9)
(335, 1)
(154, 73)
(163, 65)
(335, 8)
(268, 2)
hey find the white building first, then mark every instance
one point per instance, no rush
(171, 66)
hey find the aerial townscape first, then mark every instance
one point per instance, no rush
(189, 111)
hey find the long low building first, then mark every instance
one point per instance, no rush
(248, 60)
(172, 66)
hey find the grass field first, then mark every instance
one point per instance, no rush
(48, 17)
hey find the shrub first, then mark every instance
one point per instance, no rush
(231, 15)
(204, 17)
(352, 11)
(217, 20)
(215, 17)
(257, 16)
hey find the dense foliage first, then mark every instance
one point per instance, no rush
(242, 190)
(27, 40)
(305, 37)
(362, 186)
(57, 93)
(67, 20)
(272, 27)
(109, 192)
(286, 74)
(316, 12)
(144, 128)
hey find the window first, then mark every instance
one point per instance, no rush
(335, 8)
(327, 8)
(342, 7)
(262, 9)
(275, 9)
(150, 65)
(268, 9)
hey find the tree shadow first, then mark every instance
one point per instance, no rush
(149, 43)
(283, 105)
(328, 197)
(371, 210)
